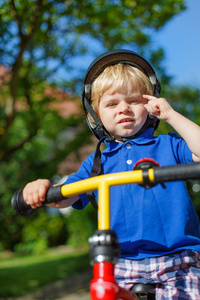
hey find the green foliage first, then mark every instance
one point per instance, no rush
(22, 275)
(39, 233)
(194, 191)
(81, 225)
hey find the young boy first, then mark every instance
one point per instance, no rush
(157, 228)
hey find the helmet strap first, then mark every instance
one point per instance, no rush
(91, 111)
(97, 164)
(99, 128)
(97, 169)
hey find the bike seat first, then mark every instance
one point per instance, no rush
(140, 288)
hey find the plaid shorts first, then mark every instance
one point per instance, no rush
(177, 276)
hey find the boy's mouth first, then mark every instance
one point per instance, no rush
(126, 120)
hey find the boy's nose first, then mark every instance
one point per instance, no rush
(124, 107)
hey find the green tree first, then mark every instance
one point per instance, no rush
(47, 43)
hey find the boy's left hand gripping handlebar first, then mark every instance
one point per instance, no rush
(22, 208)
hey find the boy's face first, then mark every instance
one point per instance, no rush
(123, 115)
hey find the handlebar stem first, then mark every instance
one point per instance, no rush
(103, 183)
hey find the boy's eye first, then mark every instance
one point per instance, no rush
(134, 101)
(111, 104)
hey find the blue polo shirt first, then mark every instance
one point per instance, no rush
(148, 222)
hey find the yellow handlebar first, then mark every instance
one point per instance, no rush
(103, 183)
(144, 174)
(151, 176)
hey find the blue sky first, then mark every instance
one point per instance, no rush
(180, 39)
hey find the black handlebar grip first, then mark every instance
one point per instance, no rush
(178, 172)
(19, 205)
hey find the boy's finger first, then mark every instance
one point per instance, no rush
(42, 192)
(149, 97)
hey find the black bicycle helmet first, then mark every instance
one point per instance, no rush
(97, 67)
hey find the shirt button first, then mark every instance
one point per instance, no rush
(129, 161)
(128, 146)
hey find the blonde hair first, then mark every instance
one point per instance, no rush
(119, 78)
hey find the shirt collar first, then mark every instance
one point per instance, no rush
(146, 137)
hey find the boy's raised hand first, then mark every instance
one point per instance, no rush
(158, 107)
(34, 192)
(187, 129)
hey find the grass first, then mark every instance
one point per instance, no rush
(20, 275)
